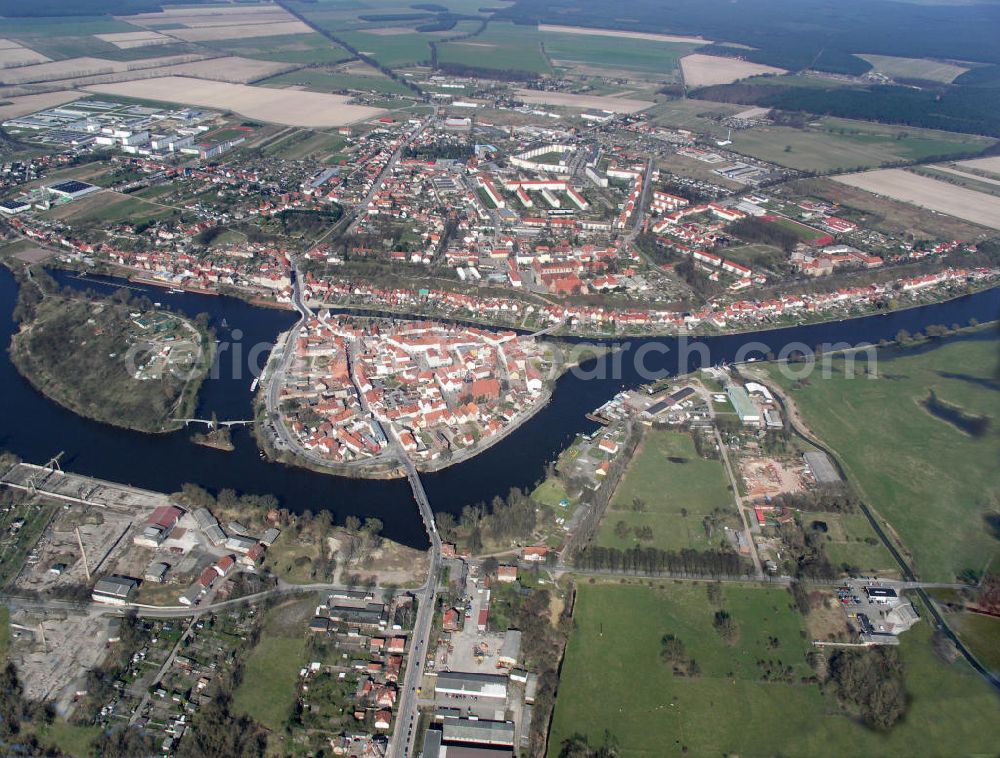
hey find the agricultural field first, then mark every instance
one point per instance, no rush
(15, 54)
(325, 80)
(289, 107)
(951, 175)
(501, 47)
(583, 102)
(296, 48)
(838, 144)
(942, 197)
(988, 165)
(600, 53)
(705, 70)
(728, 709)
(926, 475)
(676, 490)
(915, 68)
(15, 107)
(394, 51)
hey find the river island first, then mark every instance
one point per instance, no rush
(119, 360)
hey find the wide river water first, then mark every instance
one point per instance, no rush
(36, 428)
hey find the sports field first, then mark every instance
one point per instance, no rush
(677, 490)
(927, 477)
(614, 680)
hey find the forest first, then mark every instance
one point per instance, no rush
(795, 34)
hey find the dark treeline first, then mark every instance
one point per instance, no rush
(453, 68)
(830, 498)
(794, 34)
(651, 560)
(971, 110)
(506, 520)
(595, 502)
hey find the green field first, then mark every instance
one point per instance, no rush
(693, 114)
(846, 543)
(982, 635)
(501, 47)
(110, 208)
(667, 489)
(267, 690)
(931, 481)
(392, 50)
(319, 80)
(613, 679)
(615, 53)
(915, 68)
(843, 144)
(286, 48)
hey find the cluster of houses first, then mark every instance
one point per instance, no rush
(359, 621)
(438, 388)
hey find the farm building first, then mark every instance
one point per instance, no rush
(820, 467)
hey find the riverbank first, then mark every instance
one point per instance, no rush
(942, 293)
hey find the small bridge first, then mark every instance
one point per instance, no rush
(212, 424)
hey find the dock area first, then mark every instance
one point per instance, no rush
(51, 481)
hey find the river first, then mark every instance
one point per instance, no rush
(35, 428)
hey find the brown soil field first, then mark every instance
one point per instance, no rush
(928, 193)
(229, 69)
(211, 33)
(77, 68)
(389, 31)
(213, 16)
(292, 108)
(617, 33)
(22, 106)
(705, 70)
(966, 174)
(583, 102)
(15, 54)
(127, 40)
(989, 165)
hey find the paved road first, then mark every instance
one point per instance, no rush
(407, 714)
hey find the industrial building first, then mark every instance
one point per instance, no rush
(114, 589)
(491, 686)
(748, 412)
(820, 467)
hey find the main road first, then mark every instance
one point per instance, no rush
(407, 715)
